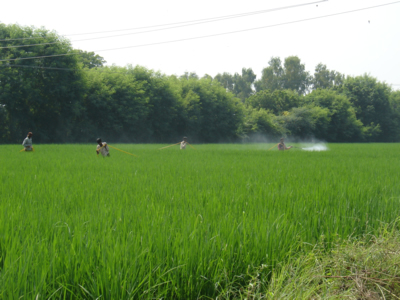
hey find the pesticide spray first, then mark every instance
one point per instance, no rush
(317, 147)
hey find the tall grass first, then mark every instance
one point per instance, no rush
(177, 224)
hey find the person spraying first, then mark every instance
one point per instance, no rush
(282, 146)
(27, 143)
(184, 143)
(102, 148)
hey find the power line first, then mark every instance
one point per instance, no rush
(176, 23)
(39, 67)
(207, 36)
(167, 28)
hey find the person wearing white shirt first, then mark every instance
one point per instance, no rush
(27, 143)
(102, 148)
(184, 143)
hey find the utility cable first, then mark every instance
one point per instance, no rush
(211, 35)
(176, 23)
(162, 29)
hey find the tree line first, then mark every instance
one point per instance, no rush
(69, 95)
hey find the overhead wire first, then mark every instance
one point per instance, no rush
(167, 28)
(208, 36)
(183, 22)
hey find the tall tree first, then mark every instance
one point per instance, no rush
(226, 81)
(272, 76)
(41, 94)
(291, 76)
(243, 84)
(296, 78)
(325, 79)
(188, 75)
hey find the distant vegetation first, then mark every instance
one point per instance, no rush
(75, 98)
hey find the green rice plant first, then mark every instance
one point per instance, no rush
(365, 267)
(178, 224)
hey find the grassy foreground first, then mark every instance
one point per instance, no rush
(362, 268)
(179, 224)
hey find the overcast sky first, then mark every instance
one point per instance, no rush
(361, 42)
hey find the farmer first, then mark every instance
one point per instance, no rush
(184, 143)
(102, 148)
(27, 143)
(282, 146)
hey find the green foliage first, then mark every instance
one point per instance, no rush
(305, 122)
(291, 76)
(239, 85)
(189, 75)
(277, 101)
(395, 102)
(115, 103)
(325, 79)
(90, 59)
(226, 81)
(37, 99)
(272, 76)
(370, 99)
(395, 109)
(355, 268)
(192, 108)
(296, 78)
(260, 121)
(163, 105)
(4, 131)
(243, 84)
(343, 126)
(216, 113)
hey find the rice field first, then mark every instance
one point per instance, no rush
(177, 224)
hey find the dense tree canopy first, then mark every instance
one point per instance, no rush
(277, 101)
(343, 124)
(68, 95)
(370, 100)
(35, 95)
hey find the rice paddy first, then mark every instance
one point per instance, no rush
(178, 224)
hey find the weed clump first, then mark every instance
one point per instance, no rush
(363, 268)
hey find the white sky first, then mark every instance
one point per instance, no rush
(347, 43)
